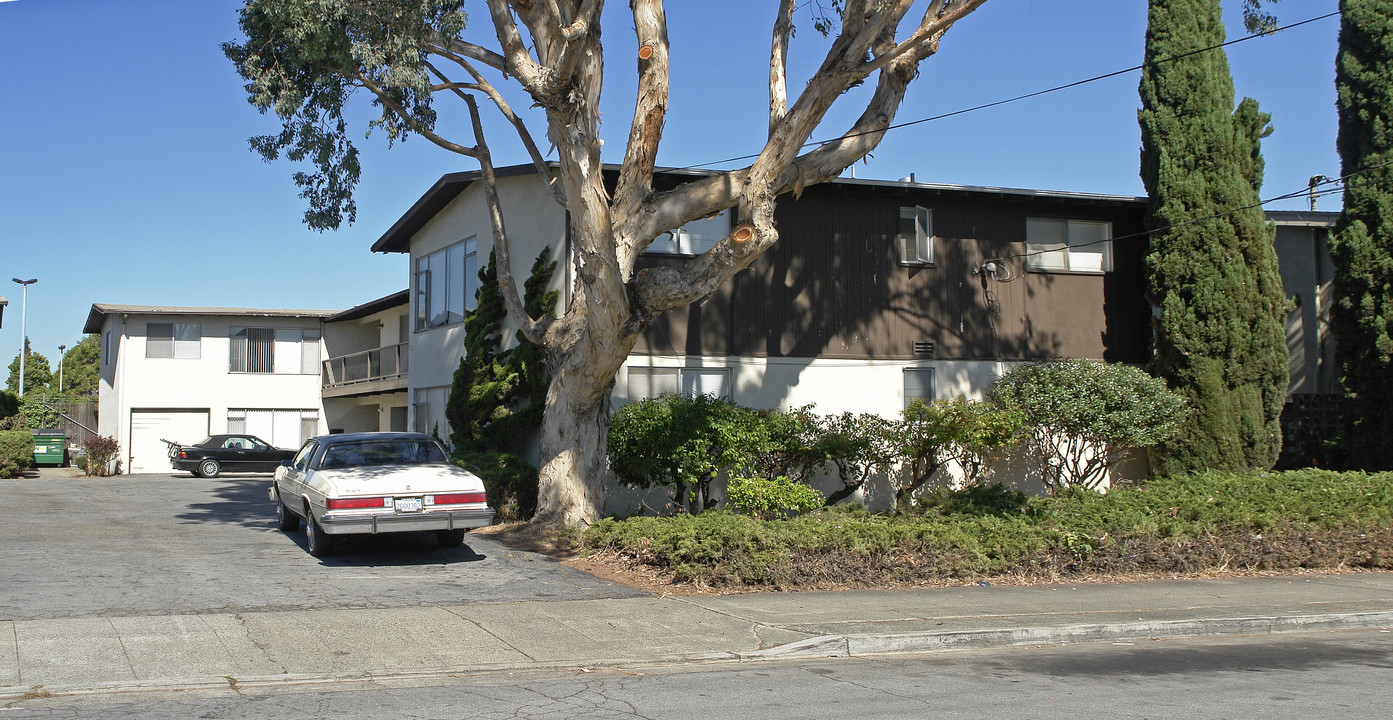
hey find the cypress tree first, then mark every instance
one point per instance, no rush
(1362, 244)
(1212, 271)
(497, 395)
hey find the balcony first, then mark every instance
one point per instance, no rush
(364, 373)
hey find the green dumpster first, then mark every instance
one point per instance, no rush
(50, 447)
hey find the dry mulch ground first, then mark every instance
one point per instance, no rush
(606, 566)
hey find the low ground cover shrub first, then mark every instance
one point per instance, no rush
(16, 452)
(1192, 524)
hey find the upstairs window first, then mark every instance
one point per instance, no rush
(1068, 245)
(694, 238)
(285, 351)
(446, 281)
(916, 236)
(174, 340)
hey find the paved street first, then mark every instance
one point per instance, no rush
(1315, 675)
(173, 544)
(153, 592)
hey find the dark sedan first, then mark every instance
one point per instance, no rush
(227, 453)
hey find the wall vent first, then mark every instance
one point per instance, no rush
(923, 348)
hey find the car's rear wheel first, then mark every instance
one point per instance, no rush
(450, 538)
(320, 543)
(209, 468)
(285, 520)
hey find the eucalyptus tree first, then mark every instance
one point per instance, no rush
(305, 59)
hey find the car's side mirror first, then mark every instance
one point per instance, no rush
(287, 463)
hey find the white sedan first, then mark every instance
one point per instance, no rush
(367, 483)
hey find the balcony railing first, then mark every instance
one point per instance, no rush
(384, 363)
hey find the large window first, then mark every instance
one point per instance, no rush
(1068, 245)
(916, 236)
(694, 238)
(286, 429)
(645, 383)
(173, 340)
(285, 351)
(446, 281)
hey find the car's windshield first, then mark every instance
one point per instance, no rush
(382, 452)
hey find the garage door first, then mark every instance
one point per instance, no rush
(149, 454)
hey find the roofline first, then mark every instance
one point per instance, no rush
(398, 237)
(1303, 218)
(99, 310)
(396, 299)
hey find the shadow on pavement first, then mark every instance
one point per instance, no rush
(393, 549)
(241, 502)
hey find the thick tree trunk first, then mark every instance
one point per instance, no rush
(575, 430)
(574, 464)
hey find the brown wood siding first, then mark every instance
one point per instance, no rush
(833, 286)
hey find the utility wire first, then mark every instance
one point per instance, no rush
(1029, 95)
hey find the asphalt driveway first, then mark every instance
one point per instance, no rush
(159, 544)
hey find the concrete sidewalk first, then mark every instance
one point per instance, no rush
(69, 657)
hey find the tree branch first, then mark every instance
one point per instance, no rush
(533, 330)
(482, 85)
(416, 125)
(635, 182)
(778, 64)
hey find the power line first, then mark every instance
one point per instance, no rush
(1027, 96)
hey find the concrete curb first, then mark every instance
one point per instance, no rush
(822, 646)
(861, 645)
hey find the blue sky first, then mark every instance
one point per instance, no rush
(125, 175)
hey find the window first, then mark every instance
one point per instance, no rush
(1068, 245)
(428, 408)
(918, 385)
(106, 348)
(916, 236)
(446, 281)
(646, 383)
(253, 350)
(285, 351)
(282, 428)
(173, 340)
(694, 238)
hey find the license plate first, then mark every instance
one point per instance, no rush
(408, 504)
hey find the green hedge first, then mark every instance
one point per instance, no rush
(1214, 521)
(16, 452)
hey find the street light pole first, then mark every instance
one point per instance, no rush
(61, 348)
(23, 336)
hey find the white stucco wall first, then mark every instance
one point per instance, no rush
(134, 382)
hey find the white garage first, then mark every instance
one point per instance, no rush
(149, 430)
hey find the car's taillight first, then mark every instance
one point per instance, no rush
(183, 455)
(455, 499)
(358, 503)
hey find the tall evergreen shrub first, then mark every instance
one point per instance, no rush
(1219, 337)
(1362, 245)
(497, 395)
